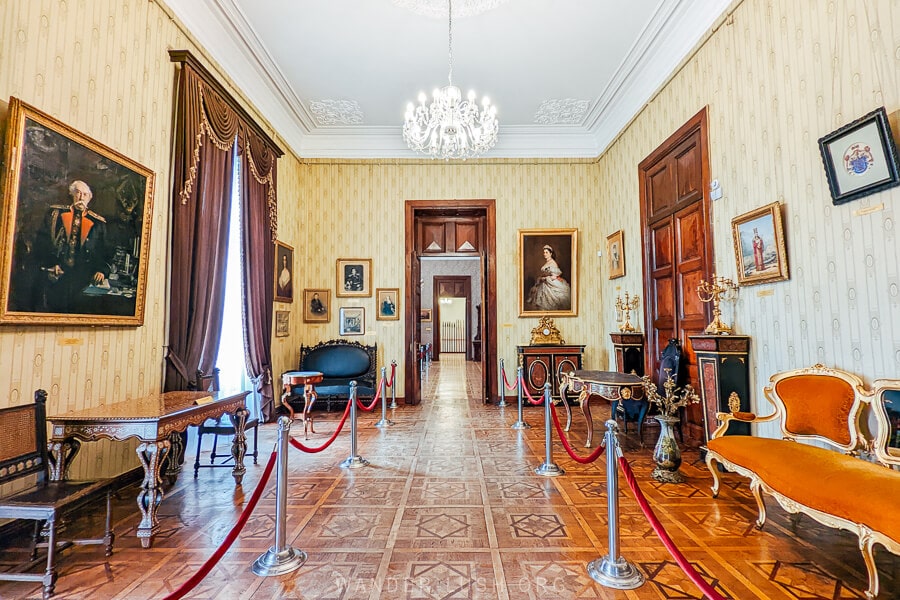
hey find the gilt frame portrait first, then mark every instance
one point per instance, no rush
(75, 227)
(284, 272)
(387, 304)
(354, 278)
(316, 306)
(759, 248)
(615, 254)
(548, 272)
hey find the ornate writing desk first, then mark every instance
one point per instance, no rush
(157, 421)
(609, 385)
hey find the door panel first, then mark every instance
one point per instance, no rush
(662, 192)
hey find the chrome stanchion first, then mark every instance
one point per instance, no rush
(501, 385)
(549, 468)
(384, 422)
(612, 570)
(354, 461)
(393, 384)
(280, 558)
(520, 424)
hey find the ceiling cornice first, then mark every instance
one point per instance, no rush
(672, 33)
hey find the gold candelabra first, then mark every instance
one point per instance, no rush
(626, 306)
(715, 291)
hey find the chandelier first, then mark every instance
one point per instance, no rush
(450, 127)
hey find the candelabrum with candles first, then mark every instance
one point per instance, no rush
(625, 306)
(716, 290)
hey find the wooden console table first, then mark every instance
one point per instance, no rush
(724, 365)
(544, 363)
(609, 385)
(157, 421)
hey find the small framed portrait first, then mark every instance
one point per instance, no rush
(615, 254)
(316, 306)
(860, 158)
(387, 304)
(354, 277)
(76, 227)
(759, 246)
(548, 272)
(282, 323)
(353, 320)
(425, 315)
(284, 272)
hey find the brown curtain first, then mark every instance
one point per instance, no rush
(208, 123)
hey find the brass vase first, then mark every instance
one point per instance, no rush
(666, 453)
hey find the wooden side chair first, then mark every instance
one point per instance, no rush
(219, 427)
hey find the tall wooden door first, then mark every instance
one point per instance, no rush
(677, 247)
(451, 286)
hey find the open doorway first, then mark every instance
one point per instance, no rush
(450, 229)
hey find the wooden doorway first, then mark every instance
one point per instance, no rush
(451, 286)
(677, 244)
(450, 228)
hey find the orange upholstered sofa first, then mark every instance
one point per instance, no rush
(826, 466)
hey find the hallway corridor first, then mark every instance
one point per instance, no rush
(450, 508)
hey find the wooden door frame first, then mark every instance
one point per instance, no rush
(436, 336)
(413, 209)
(697, 123)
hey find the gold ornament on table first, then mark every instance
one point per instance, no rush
(546, 333)
(715, 291)
(626, 306)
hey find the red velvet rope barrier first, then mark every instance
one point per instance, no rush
(308, 450)
(506, 381)
(565, 442)
(688, 569)
(390, 382)
(204, 570)
(370, 407)
(528, 394)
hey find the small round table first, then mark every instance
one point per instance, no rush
(609, 385)
(308, 379)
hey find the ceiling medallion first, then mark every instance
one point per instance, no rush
(437, 9)
(336, 112)
(565, 111)
(450, 127)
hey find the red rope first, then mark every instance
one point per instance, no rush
(562, 436)
(371, 407)
(506, 381)
(530, 399)
(688, 569)
(204, 570)
(390, 382)
(307, 449)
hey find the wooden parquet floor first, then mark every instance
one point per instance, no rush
(450, 508)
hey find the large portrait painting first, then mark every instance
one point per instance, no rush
(548, 273)
(284, 272)
(76, 227)
(759, 246)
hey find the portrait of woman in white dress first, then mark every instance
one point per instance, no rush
(548, 268)
(550, 290)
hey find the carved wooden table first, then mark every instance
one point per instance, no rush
(609, 385)
(157, 421)
(308, 379)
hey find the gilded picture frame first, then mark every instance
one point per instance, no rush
(425, 315)
(759, 248)
(76, 221)
(282, 323)
(860, 158)
(387, 304)
(615, 254)
(316, 305)
(354, 278)
(284, 272)
(353, 320)
(548, 272)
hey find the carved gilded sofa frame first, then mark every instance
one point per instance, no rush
(823, 406)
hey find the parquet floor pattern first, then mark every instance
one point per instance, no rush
(450, 508)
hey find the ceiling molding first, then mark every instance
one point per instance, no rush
(671, 34)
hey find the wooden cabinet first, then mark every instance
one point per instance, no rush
(546, 363)
(629, 352)
(723, 362)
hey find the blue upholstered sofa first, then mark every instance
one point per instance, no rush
(340, 362)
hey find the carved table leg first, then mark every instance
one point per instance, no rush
(60, 455)
(565, 402)
(239, 443)
(586, 409)
(151, 454)
(176, 457)
(309, 398)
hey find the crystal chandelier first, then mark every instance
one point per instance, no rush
(450, 127)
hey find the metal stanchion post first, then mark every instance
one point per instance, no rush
(501, 385)
(354, 461)
(612, 570)
(393, 384)
(280, 558)
(384, 422)
(520, 424)
(549, 468)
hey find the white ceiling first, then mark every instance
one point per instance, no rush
(334, 76)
